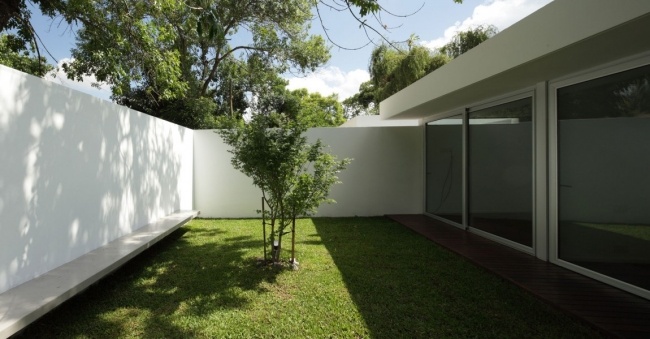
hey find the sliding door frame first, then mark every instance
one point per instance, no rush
(591, 74)
(446, 115)
(538, 97)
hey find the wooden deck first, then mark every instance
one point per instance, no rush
(614, 312)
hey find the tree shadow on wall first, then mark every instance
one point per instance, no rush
(77, 172)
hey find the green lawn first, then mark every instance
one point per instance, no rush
(358, 277)
(639, 232)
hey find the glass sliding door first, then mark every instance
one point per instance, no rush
(500, 170)
(603, 188)
(444, 168)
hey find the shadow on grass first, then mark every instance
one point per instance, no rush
(178, 275)
(405, 286)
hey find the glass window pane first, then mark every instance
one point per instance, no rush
(603, 170)
(501, 171)
(444, 166)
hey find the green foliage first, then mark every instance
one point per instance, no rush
(230, 86)
(294, 176)
(464, 41)
(309, 109)
(363, 102)
(157, 54)
(162, 52)
(312, 109)
(15, 17)
(625, 94)
(133, 46)
(366, 6)
(419, 62)
(319, 111)
(392, 70)
(633, 97)
(15, 54)
(195, 113)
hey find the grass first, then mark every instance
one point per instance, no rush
(641, 232)
(358, 278)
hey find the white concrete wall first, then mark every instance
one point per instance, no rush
(377, 121)
(220, 191)
(77, 172)
(384, 178)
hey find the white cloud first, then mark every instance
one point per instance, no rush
(59, 76)
(500, 13)
(331, 80)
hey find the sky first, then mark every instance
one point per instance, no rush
(434, 22)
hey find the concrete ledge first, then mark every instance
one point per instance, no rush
(27, 302)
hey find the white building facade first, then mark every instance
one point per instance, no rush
(539, 138)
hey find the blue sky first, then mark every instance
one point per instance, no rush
(435, 23)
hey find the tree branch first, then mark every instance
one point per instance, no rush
(322, 24)
(346, 5)
(366, 27)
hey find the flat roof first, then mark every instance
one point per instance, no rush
(563, 37)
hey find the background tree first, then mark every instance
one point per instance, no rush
(165, 51)
(466, 40)
(393, 68)
(315, 110)
(364, 102)
(633, 97)
(15, 54)
(294, 176)
(15, 17)
(310, 109)
(156, 55)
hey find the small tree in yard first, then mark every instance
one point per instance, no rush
(294, 176)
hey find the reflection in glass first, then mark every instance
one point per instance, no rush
(444, 166)
(500, 171)
(604, 175)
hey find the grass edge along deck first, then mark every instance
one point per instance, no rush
(612, 311)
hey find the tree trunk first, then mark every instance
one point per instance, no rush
(264, 228)
(293, 240)
(279, 250)
(232, 113)
(272, 238)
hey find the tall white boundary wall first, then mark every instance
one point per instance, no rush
(77, 172)
(385, 176)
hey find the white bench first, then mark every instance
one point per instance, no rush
(27, 302)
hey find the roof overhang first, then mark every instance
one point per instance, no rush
(562, 38)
